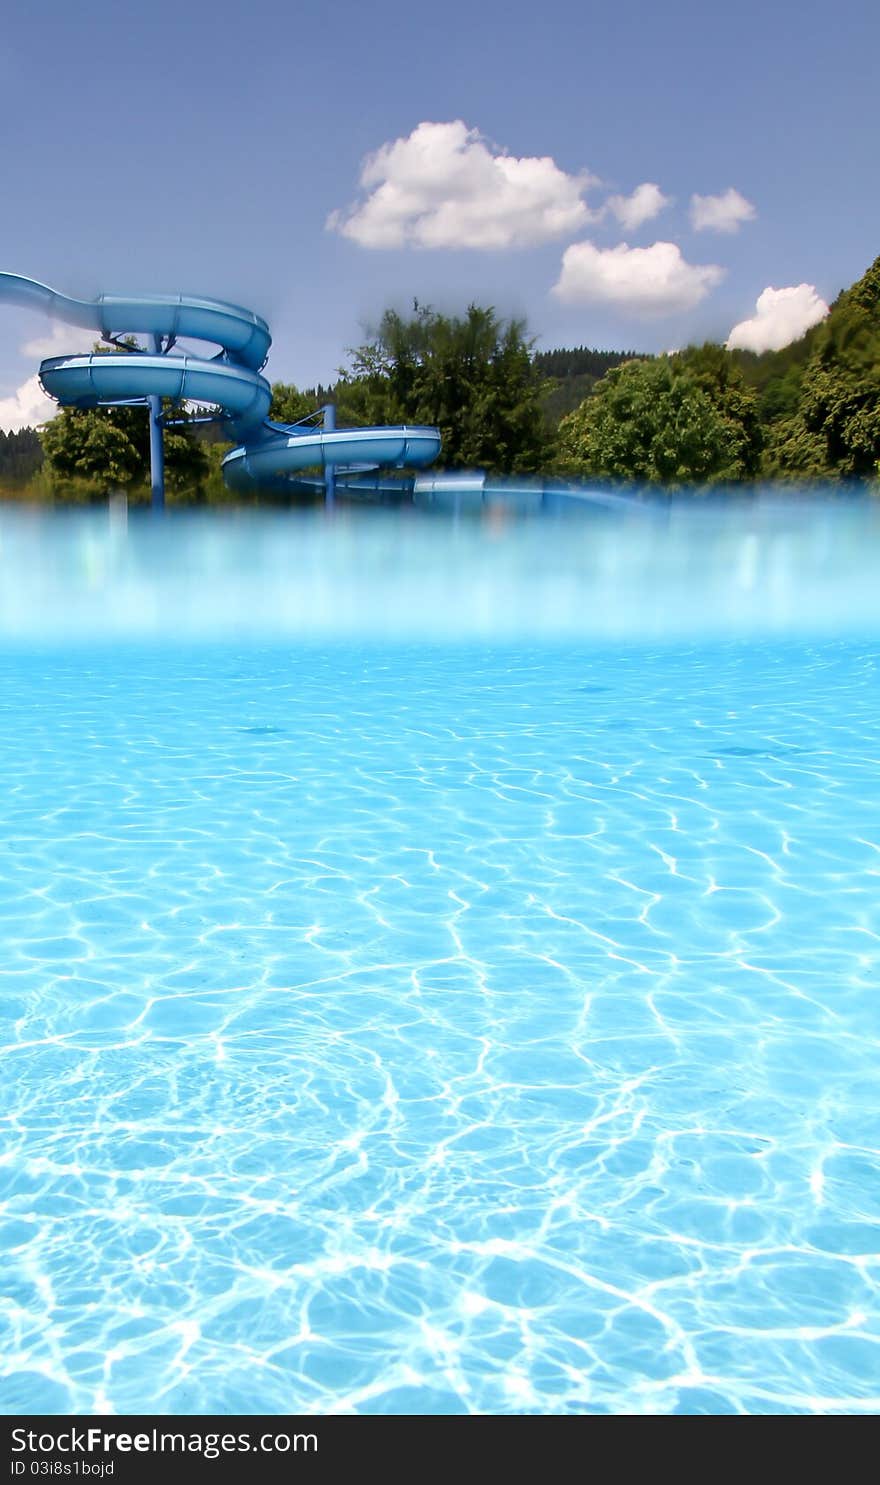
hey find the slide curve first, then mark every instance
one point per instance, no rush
(267, 454)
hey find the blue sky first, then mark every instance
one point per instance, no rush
(203, 148)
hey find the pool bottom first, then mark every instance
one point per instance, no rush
(440, 1029)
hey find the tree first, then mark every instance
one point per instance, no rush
(836, 428)
(186, 461)
(21, 454)
(678, 420)
(734, 402)
(472, 377)
(91, 447)
(776, 377)
(106, 447)
(290, 405)
(573, 374)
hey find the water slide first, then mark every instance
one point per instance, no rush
(279, 457)
(267, 455)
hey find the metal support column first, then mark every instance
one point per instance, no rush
(157, 446)
(329, 411)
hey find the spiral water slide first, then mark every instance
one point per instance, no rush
(268, 455)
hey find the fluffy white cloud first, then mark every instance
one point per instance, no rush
(781, 316)
(644, 203)
(62, 340)
(445, 186)
(654, 280)
(26, 408)
(724, 213)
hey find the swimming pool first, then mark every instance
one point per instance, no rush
(436, 1010)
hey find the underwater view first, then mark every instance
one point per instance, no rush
(440, 960)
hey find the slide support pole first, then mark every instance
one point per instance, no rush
(157, 446)
(329, 470)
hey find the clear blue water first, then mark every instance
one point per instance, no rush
(399, 1020)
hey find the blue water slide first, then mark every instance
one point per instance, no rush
(287, 450)
(243, 335)
(298, 458)
(473, 490)
(267, 454)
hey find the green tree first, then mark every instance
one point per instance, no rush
(471, 376)
(107, 447)
(186, 461)
(734, 402)
(572, 375)
(290, 405)
(21, 455)
(93, 447)
(838, 415)
(678, 420)
(776, 377)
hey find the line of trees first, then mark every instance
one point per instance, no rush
(21, 455)
(707, 415)
(701, 417)
(572, 376)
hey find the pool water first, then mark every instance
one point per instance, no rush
(401, 1023)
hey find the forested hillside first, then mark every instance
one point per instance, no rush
(21, 455)
(711, 416)
(828, 418)
(572, 375)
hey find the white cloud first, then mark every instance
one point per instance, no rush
(647, 281)
(26, 408)
(644, 203)
(445, 186)
(62, 340)
(724, 213)
(781, 316)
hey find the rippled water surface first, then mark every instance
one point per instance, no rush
(418, 1026)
